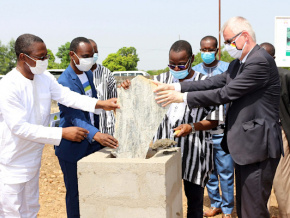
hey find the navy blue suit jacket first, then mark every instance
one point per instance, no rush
(68, 150)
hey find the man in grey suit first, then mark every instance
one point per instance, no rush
(251, 88)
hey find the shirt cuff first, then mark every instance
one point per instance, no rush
(56, 134)
(92, 105)
(177, 87)
(98, 111)
(185, 97)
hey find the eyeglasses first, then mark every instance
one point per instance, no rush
(208, 49)
(180, 67)
(229, 41)
(40, 58)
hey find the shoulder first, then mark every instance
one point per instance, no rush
(13, 78)
(199, 76)
(224, 64)
(164, 77)
(198, 66)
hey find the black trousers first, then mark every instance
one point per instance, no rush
(253, 187)
(194, 194)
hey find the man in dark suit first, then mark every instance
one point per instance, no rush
(281, 182)
(252, 136)
(79, 78)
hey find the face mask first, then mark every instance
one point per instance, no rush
(96, 56)
(233, 51)
(179, 74)
(40, 66)
(208, 57)
(85, 63)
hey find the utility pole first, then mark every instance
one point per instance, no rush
(219, 29)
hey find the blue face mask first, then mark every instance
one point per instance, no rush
(95, 57)
(179, 74)
(208, 57)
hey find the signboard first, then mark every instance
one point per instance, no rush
(282, 41)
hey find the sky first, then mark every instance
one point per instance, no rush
(151, 26)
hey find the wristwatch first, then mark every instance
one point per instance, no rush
(192, 128)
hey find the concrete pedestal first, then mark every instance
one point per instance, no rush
(125, 188)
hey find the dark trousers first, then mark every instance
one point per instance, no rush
(71, 183)
(194, 194)
(253, 187)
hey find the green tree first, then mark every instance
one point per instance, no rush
(125, 59)
(7, 57)
(51, 61)
(157, 72)
(63, 54)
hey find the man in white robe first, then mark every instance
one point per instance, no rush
(26, 94)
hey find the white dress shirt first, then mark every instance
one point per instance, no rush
(24, 116)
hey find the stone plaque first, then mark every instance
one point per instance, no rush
(138, 118)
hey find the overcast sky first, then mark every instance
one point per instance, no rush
(151, 26)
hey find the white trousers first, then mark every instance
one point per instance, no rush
(20, 200)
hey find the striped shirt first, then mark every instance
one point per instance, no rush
(106, 88)
(196, 149)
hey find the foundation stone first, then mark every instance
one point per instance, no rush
(130, 187)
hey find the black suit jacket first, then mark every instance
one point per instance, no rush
(252, 91)
(284, 101)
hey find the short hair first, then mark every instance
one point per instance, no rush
(23, 43)
(239, 24)
(182, 45)
(75, 43)
(210, 38)
(269, 48)
(92, 41)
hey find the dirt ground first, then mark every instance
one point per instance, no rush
(52, 189)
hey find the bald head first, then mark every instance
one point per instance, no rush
(94, 44)
(269, 48)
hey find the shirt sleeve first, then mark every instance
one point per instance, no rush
(71, 99)
(15, 116)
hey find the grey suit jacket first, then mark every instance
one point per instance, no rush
(252, 91)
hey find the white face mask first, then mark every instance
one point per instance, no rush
(233, 51)
(40, 66)
(85, 63)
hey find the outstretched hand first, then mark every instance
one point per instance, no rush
(76, 134)
(125, 84)
(107, 105)
(162, 86)
(182, 130)
(106, 140)
(168, 97)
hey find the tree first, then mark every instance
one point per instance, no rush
(157, 72)
(51, 61)
(7, 57)
(63, 54)
(125, 59)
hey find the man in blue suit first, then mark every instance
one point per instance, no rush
(79, 78)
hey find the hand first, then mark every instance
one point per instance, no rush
(168, 97)
(106, 140)
(162, 86)
(185, 129)
(125, 84)
(107, 105)
(75, 134)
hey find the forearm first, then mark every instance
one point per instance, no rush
(205, 125)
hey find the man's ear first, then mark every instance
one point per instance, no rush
(192, 58)
(21, 57)
(217, 50)
(71, 53)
